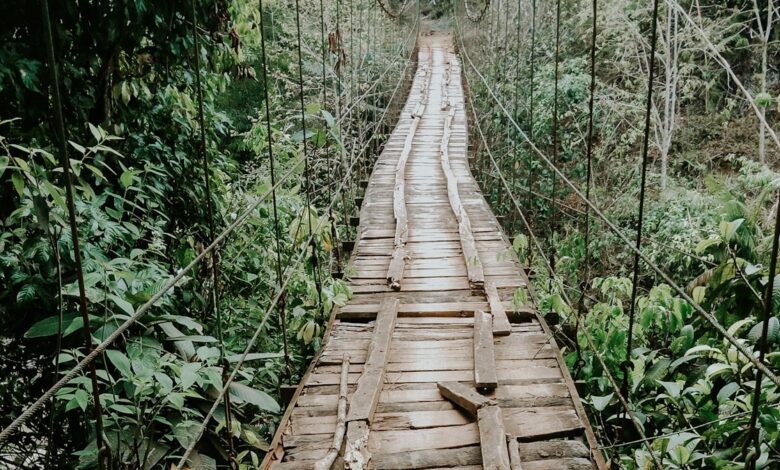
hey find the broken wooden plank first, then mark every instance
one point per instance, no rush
(356, 454)
(464, 396)
(514, 453)
(484, 353)
(501, 325)
(492, 439)
(369, 385)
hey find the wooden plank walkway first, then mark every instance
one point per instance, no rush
(430, 257)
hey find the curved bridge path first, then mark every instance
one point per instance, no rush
(430, 365)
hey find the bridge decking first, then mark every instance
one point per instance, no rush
(397, 417)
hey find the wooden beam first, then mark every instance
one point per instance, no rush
(369, 385)
(326, 462)
(464, 396)
(495, 455)
(476, 275)
(484, 352)
(501, 325)
(395, 272)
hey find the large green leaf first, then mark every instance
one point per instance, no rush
(50, 325)
(256, 397)
(120, 361)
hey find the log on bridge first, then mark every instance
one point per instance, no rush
(443, 370)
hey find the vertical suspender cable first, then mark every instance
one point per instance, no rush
(515, 166)
(203, 151)
(277, 234)
(589, 157)
(530, 183)
(641, 215)
(553, 221)
(67, 177)
(753, 433)
(307, 163)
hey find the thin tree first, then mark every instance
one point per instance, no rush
(764, 35)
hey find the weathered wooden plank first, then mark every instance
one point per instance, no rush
(484, 355)
(447, 437)
(492, 439)
(429, 458)
(501, 325)
(473, 265)
(364, 400)
(464, 396)
(326, 462)
(514, 453)
(357, 454)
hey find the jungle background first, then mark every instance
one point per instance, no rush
(130, 102)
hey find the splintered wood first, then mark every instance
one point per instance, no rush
(441, 367)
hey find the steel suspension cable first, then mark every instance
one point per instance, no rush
(642, 187)
(753, 433)
(301, 256)
(613, 383)
(307, 164)
(708, 317)
(272, 169)
(588, 169)
(553, 223)
(530, 182)
(67, 178)
(203, 152)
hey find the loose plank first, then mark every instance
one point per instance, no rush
(492, 438)
(369, 385)
(501, 325)
(464, 396)
(484, 353)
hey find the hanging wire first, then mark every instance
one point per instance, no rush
(277, 233)
(67, 177)
(328, 156)
(307, 165)
(253, 340)
(643, 183)
(530, 182)
(515, 147)
(753, 434)
(589, 157)
(203, 152)
(553, 223)
(535, 242)
(708, 317)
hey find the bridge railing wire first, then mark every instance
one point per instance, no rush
(758, 363)
(291, 265)
(362, 140)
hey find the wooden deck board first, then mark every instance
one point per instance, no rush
(452, 261)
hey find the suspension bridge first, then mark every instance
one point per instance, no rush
(431, 364)
(434, 362)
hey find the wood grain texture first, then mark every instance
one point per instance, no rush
(484, 353)
(401, 417)
(363, 402)
(464, 396)
(492, 439)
